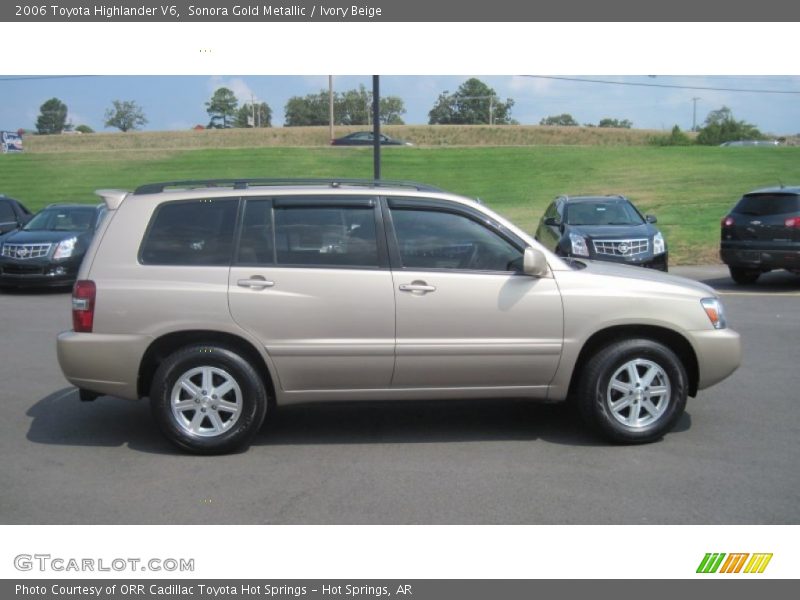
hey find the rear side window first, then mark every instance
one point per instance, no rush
(326, 236)
(761, 205)
(198, 232)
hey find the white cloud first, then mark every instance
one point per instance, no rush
(238, 86)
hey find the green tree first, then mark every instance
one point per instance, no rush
(472, 103)
(84, 129)
(562, 120)
(125, 115)
(351, 107)
(392, 107)
(311, 109)
(246, 116)
(675, 138)
(608, 122)
(221, 108)
(52, 117)
(721, 126)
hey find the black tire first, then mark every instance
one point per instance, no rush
(604, 408)
(226, 422)
(744, 276)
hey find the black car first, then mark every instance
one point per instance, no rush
(602, 228)
(48, 250)
(762, 233)
(13, 214)
(366, 138)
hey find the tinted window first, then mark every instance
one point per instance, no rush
(338, 236)
(613, 212)
(256, 243)
(7, 213)
(441, 240)
(199, 232)
(768, 204)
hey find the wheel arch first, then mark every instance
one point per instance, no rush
(168, 343)
(670, 338)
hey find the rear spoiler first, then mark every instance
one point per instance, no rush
(112, 198)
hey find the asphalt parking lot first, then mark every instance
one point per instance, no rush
(733, 458)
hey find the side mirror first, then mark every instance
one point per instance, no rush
(551, 222)
(534, 262)
(650, 218)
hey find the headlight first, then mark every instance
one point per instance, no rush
(715, 312)
(579, 247)
(65, 248)
(658, 244)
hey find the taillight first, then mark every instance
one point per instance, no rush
(83, 295)
(727, 221)
(792, 222)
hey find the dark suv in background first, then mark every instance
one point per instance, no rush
(602, 228)
(762, 233)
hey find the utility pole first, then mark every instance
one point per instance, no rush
(330, 106)
(694, 113)
(253, 109)
(376, 126)
(491, 110)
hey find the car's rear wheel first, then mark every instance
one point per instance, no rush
(744, 276)
(633, 391)
(208, 399)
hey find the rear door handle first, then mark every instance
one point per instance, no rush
(419, 287)
(255, 282)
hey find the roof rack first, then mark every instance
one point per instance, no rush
(244, 184)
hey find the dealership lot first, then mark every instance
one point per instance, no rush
(732, 458)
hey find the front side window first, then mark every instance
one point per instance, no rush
(7, 213)
(429, 239)
(326, 236)
(193, 233)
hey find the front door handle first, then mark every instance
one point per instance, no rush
(255, 282)
(418, 287)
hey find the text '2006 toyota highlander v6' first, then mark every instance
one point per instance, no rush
(220, 299)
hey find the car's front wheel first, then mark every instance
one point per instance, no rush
(633, 391)
(208, 399)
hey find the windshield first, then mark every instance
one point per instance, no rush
(603, 212)
(62, 219)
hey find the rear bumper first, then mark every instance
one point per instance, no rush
(102, 363)
(750, 257)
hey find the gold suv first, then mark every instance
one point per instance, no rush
(222, 299)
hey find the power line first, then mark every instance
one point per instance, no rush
(663, 85)
(41, 77)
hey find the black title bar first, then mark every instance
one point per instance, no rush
(402, 11)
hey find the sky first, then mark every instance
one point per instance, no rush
(178, 102)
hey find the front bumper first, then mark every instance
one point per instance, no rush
(38, 272)
(719, 352)
(659, 262)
